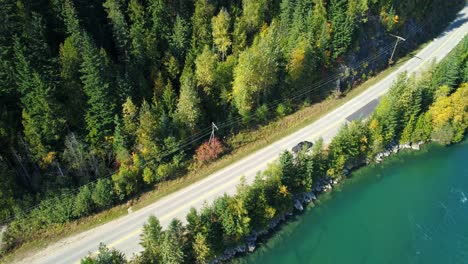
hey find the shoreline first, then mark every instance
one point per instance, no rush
(300, 201)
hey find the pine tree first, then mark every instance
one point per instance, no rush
(341, 26)
(179, 38)
(119, 26)
(318, 29)
(130, 121)
(169, 99)
(297, 28)
(201, 24)
(407, 131)
(138, 30)
(9, 22)
(43, 126)
(254, 13)
(151, 239)
(70, 18)
(100, 110)
(287, 9)
(159, 27)
(288, 170)
(189, 112)
(72, 90)
(172, 245)
(147, 139)
(200, 249)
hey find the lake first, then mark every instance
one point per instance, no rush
(412, 208)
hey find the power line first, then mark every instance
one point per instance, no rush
(209, 130)
(205, 132)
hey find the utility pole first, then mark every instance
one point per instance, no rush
(213, 127)
(398, 38)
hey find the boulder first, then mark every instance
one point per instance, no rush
(298, 205)
(416, 146)
(405, 146)
(308, 197)
(250, 246)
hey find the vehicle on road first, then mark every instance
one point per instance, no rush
(301, 145)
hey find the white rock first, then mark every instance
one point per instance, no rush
(251, 246)
(298, 205)
(415, 147)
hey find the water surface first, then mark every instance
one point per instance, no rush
(413, 208)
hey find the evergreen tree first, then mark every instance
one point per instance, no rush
(138, 30)
(130, 121)
(158, 32)
(169, 99)
(179, 38)
(70, 18)
(342, 27)
(83, 202)
(319, 30)
(9, 22)
(105, 256)
(288, 170)
(147, 135)
(201, 249)
(119, 26)
(43, 127)
(254, 198)
(286, 11)
(423, 128)
(151, 239)
(100, 111)
(189, 112)
(201, 24)
(72, 90)
(407, 131)
(172, 244)
(254, 13)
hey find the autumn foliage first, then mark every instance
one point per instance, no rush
(209, 151)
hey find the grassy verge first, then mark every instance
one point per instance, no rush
(243, 144)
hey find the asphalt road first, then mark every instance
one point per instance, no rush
(123, 233)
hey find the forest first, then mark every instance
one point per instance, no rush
(429, 107)
(101, 100)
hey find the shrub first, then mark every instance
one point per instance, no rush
(58, 209)
(283, 109)
(126, 181)
(105, 256)
(209, 151)
(103, 193)
(443, 135)
(149, 176)
(83, 202)
(262, 113)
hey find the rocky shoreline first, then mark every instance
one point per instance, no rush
(324, 184)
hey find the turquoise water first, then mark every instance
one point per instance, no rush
(411, 209)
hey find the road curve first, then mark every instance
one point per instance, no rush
(123, 233)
